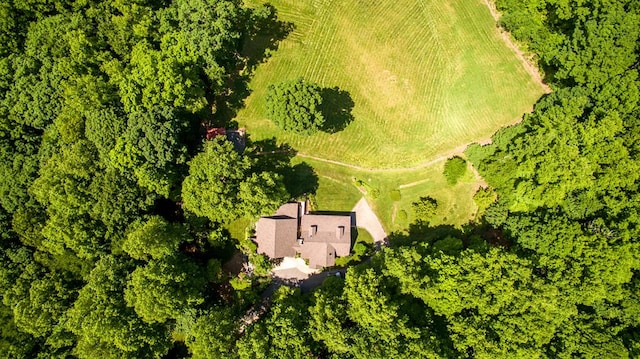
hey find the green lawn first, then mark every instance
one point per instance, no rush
(364, 237)
(337, 191)
(425, 76)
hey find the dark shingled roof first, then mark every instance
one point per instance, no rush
(276, 235)
(332, 230)
(318, 238)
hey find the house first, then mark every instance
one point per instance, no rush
(292, 231)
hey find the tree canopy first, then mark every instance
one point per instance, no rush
(454, 169)
(295, 106)
(222, 187)
(116, 215)
(101, 108)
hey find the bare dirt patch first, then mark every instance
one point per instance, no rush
(527, 60)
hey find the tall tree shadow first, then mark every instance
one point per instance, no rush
(269, 155)
(299, 179)
(263, 37)
(336, 109)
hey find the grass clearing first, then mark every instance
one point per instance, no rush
(425, 77)
(364, 237)
(238, 228)
(337, 191)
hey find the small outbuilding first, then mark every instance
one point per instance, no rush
(235, 136)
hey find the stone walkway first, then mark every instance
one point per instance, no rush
(367, 219)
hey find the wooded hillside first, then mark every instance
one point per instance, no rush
(101, 109)
(113, 209)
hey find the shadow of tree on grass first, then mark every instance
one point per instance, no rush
(300, 179)
(336, 109)
(269, 155)
(264, 37)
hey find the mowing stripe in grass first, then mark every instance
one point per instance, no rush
(425, 76)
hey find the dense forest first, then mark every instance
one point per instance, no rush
(101, 148)
(113, 208)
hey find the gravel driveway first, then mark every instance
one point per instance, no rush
(367, 219)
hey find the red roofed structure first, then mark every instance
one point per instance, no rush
(235, 136)
(213, 132)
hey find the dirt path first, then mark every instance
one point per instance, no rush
(481, 181)
(367, 219)
(526, 61)
(394, 213)
(259, 309)
(427, 163)
(412, 184)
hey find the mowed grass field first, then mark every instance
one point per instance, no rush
(426, 76)
(338, 192)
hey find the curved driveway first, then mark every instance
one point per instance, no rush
(367, 219)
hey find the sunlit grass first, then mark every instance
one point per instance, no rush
(337, 191)
(425, 77)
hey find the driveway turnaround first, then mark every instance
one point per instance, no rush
(293, 269)
(367, 219)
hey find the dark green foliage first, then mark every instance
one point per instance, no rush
(448, 245)
(39, 301)
(213, 335)
(514, 311)
(100, 111)
(566, 179)
(221, 187)
(225, 22)
(578, 43)
(105, 326)
(425, 209)
(13, 342)
(284, 334)
(18, 168)
(164, 288)
(154, 238)
(454, 169)
(367, 317)
(102, 257)
(483, 198)
(295, 106)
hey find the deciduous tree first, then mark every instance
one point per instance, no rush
(222, 187)
(454, 169)
(106, 327)
(295, 106)
(155, 238)
(164, 288)
(214, 335)
(425, 208)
